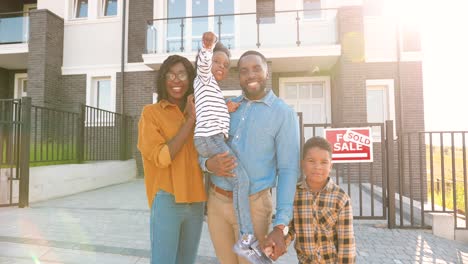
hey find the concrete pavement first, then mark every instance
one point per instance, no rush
(110, 225)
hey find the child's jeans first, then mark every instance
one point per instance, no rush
(210, 146)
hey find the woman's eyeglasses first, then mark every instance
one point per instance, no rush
(180, 76)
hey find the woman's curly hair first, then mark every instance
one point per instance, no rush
(167, 64)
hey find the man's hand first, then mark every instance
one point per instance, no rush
(221, 164)
(189, 111)
(274, 245)
(209, 39)
(232, 106)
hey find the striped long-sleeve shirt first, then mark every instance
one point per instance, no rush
(323, 225)
(212, 116)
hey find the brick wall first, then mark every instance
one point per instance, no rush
(349, 77)
(7, 6)
(45, 59)
(139, 89)
(266, 11)
(139, 12)
(349, 87)
(74, 91)
(4, 83)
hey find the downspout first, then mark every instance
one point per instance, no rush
(123, 135)
(122, 57)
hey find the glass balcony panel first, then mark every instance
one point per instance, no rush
(14, 28)
(280, 34)
(246, 31)
(320, 30)
(240, 31)
(152, 38)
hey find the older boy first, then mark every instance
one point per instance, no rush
(322, 219)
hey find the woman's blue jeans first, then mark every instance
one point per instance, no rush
(210, 146)
(175, 230)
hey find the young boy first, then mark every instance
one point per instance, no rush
(211, 131)
(322, 219)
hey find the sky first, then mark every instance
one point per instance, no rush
(444, 32)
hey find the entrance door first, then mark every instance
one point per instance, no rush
(311, 96)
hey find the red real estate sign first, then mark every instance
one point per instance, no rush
(350, 144)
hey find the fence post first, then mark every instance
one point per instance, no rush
(390, 173)
(24, 152)
(123, 137)
(80, 133)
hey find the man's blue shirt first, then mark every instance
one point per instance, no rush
(264, 134)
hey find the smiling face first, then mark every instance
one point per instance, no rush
(253, 74)
(220, 66)
(177, 86)
(316, 166)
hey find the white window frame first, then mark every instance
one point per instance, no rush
(327, 86)
(74, 10)
(389, 100)
(231, 93)
(102, 9)
(19, 77)
(91, 94)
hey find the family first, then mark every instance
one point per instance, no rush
(198, 148)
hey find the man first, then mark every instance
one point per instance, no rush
(264, 134)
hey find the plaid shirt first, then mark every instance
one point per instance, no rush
(323, 224)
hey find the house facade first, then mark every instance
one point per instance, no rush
(336, 61)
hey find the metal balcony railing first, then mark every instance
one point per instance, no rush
(289, 28)
(14, 27)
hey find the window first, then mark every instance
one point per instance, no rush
(21, 85)
(312, 97)
(312, 4)
(103, 94)
(194, 28)
(380, 104)
(81, 8)
(109, 7)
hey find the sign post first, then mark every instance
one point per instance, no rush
(350, 144)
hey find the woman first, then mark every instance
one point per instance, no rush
(173, 179)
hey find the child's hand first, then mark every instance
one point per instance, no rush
(209, 39)
(268, 251)
(232, 106)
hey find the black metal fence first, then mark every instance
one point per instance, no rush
(431, 177)
(14, 152)
(59, 136)
(411, 175)
(365, 183)
(54, 135)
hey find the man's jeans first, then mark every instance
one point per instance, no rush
(210, 146)
(175, 230)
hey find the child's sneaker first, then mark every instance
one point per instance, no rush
(255, 246)
(243, 248)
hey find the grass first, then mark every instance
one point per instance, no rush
(448, 177)
(46, 154)
(460, 196)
